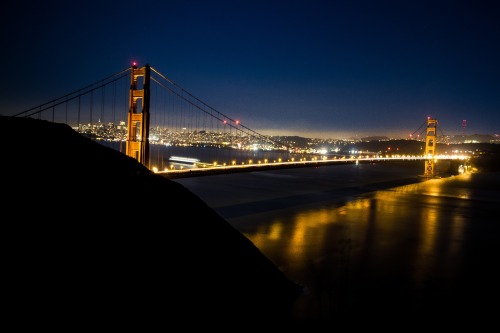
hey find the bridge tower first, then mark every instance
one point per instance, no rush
(138, 115)
(430, 146)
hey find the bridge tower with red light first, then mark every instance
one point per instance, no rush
(430, 146)
(138, 115)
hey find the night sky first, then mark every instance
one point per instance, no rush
(323, 69)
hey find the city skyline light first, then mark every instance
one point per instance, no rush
(325, 69)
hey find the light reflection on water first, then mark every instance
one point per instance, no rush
(430, 247)
(394, 244)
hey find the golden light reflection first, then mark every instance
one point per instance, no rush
(433, 187)
(275, 232)
(259, 239)
(428, 239)
(298, 235)
(436, 225)
(342, 211)
(398, 227)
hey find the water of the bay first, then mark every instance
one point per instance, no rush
(371, 240)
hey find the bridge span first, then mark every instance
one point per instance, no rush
(443, 165)
(139, 108)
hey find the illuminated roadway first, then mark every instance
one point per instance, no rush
(205, 168)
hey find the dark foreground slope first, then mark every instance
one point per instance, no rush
(93, 238)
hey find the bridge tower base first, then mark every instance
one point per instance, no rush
(138, 116)
(430, 146)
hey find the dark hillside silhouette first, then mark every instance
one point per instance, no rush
(94, 239)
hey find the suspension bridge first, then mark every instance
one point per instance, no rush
(145, 115)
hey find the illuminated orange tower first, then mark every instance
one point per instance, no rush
(138, 116)
(430, 146)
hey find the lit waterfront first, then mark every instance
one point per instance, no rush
(210, 158)
(370, 239)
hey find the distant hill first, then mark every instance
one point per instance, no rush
(375, 138)
(292, 141)
(475, 138)
(94, 238)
